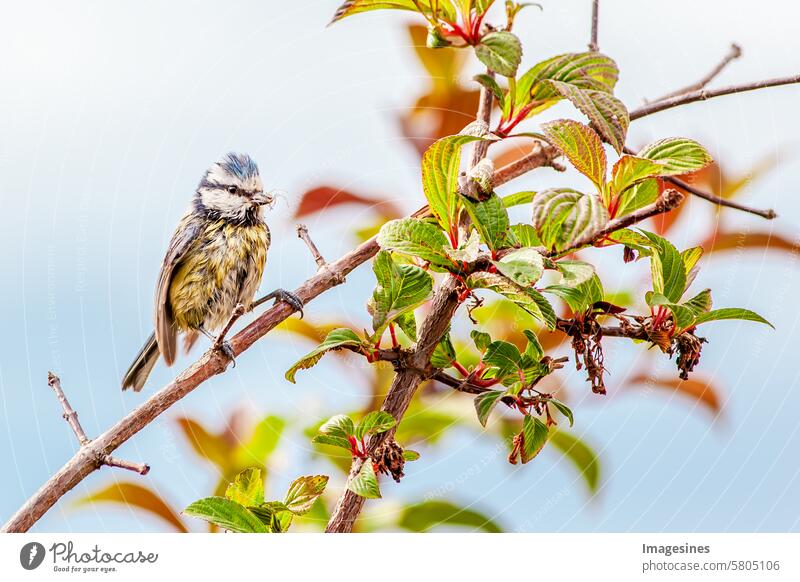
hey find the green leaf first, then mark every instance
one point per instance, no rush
(422, 517)
(524, 297)
(519, 198)
(274, 515)
(574, 273)
(491, 84)
(334, 441)
(303, 492)
(480, 339)
(534, 349)
(639, 195)
(409, 455)
(500, 51)
(400, 288)
(588, 70)
(580, 454)
(336, 339)
(350, 7)
(485, 403)
(365, 483)
(226, 514)
(534, 434)
(504, 356)
(581, 297)
(416, 238)
(440, 167)
(525, 234)
(444, 353)
(490, 218)
(375, 422)
(700, 303)
(563, 409)
(607, 114)
(630, 170)
(247, 488)
(677, 155)
(731, 313)
(468, 251)
(582, 147)
(408, 323)
(666, 266)
(563, 217)
(340, 425)
(690, 258)
(523, 266)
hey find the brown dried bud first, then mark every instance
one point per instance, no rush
(389, 460)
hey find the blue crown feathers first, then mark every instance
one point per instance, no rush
(240, 165)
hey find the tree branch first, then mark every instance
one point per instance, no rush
(703, 95)
(72, 419)
(593, 46)
(542, 154)
(734, 53)
(769, 214)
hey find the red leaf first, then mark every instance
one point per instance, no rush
(325, 197)
(701, 391)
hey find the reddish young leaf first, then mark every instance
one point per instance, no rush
(324, 197)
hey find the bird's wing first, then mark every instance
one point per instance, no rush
(185, 235)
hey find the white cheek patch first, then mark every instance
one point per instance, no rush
(224, 202)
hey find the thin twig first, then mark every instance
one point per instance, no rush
(733, 53)
(71, 416)
(302, 233)
(69, 413)
(593, 46)
(769, 213)
(703, 94)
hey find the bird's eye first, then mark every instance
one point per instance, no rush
(232, 189)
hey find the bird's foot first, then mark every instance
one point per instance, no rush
(289, 298)
(226, 350)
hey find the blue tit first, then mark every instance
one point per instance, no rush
(214, 262)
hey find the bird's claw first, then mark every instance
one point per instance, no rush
(290, 298)
(227, 350)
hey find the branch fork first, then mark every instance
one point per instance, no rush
(71, 416)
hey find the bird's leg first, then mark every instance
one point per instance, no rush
(219, 342)
(281, 295)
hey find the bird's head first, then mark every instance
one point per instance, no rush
(231, 188)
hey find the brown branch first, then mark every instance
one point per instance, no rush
(668, 200)
(72, 419)
(733, 53)
(485, 115)
(542, 154)
(413, 368)
(769, 213)
(593, 46)
(302, 234)
(703, 95)
(413, 371)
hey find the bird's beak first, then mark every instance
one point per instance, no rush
(262, 198)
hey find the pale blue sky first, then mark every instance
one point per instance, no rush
(109, 114)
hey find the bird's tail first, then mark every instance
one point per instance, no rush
(141, 367)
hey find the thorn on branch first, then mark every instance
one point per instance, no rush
(72, 419)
